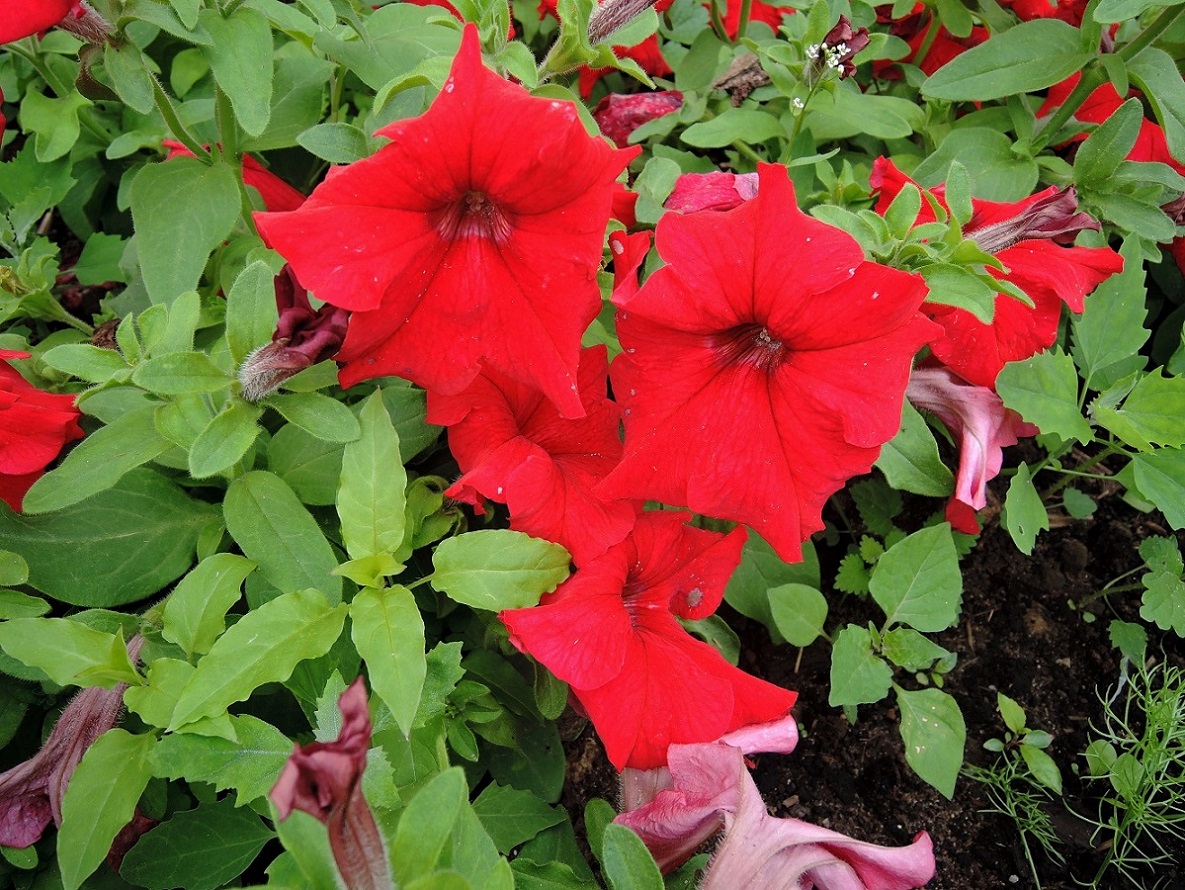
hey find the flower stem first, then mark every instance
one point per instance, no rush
(165, 106)
(716, 21)
(743, 24)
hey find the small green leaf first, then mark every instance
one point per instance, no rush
(626, 862)
(388, 633)
(1044, 391)
(70, 653)
(14, 604)
(731, 125)
(249, 766)
(1151, 413)
(226, 438)
(1160, 477)
(426, 823)
(907, 648)
(370, 499)
(1164, 602)
(263, 647)
(498, 569)
(13, 569)
(251, 313)
(129, 75)
(799, 611)
(917, 582)
(180, 372)
(337, 143)
(858, 676)
(1042, 767)
(1109, 145)
(198, 849)
(910, 460)
(1024, 514)
(194, 614)
(1013, 714)
(1025, 58)
(512, 816)
(100, 800)
(762, 569)
(1130, 639)
(1164, 91)
(934, 734)
(86, 362)
(319, 415)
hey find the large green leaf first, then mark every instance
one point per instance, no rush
(1111, 328)
(389, 634)
(910, 460)
(400, 38)
(70, 653)
(426, 824)
(917, 581)
(370, 499)
(858, 675)
(1151, 413)
(100, 800)
(1044, 391)
(98, 462)
(251, 313)
(263, 647)
(498, 569)
(1024, 514)
(225, 439)
(628, 865)
(1028, 57)
(182, 210)
(240, 56)
(934, 734)
(274, 529)
(194, 614)
(116, 547)
(512, 816)
(198, 849)
(1160, 476)
(250, 766)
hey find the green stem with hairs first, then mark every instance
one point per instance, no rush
(743, 24)
(165, 106)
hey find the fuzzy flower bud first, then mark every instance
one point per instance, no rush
(613, 15)
(1055, 217)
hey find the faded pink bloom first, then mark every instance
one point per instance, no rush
(324, 779)
(712, 786)
(977, 418)
(711, 191)
(31, 792)
(620, 114)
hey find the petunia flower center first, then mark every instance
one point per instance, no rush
(474, 215)
(751, 344)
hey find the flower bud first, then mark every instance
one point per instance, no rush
(613, 15)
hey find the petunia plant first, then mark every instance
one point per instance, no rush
(385, 387)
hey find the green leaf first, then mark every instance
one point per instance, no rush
(626, 862)
(86, 362)
(127, 68)
(1028, 57)
(917, 582)
(199, 849)
(995, 171)
(957, 286)
(310, 466)
(547, 875)
(512, 816)
(116, 547)
(1024, 514)
(273, 528)
(1160, 477)
(1044, 391)
(498, 569)
(53, 122)
(240, 56)
(1110, 11)
(1111, 329)
(760, 569)
(1151, 413)
(182, 210)
(263, 647)
(853, 574)
(100, 800)
(1130, 639)
(180, 372)
(1164, 91)
(1163, 602)
(370, 499)
(1109, 145)
(195, 612)
(426, 823)
(249, 766)
(155, 701)
(337, 143)
(1042, 767)
(1012, 713)
(251, 313)
(934, 734)
(907, 648)
(858, 676)
(226, 438)
(731, 125)
(389, 634)
(318, 415)
(401, 37)
(850, 112)
(799, 611)
(537, 764)
(98, 462)
(910, 460)
(14, 604)
(70, 653)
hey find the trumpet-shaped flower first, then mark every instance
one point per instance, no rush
(513, 447)
(611, 632)
(472, 239)
(764, 365)
(1031, 238)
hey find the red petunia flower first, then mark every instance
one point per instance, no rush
(24, 18)
(473, 238)
(981, 426)
(758, 12)
(34, 427)
(611, 632)
(619, 114)
(914, 29)
(1031, 239)
(513, 447)
(764, 365)
(1067, 10)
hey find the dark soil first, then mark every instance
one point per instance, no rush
(1018, 634)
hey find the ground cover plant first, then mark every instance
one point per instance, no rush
(727, 444)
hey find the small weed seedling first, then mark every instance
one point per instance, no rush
(1020, 781)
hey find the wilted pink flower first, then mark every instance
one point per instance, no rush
(711, 785)
(303, 337)
(31, 792)
(839, 47)
(977, 418)
(619, 114)
(324, 779)
(711, 191)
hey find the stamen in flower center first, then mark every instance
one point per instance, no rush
(474, 215)
(751, 344)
